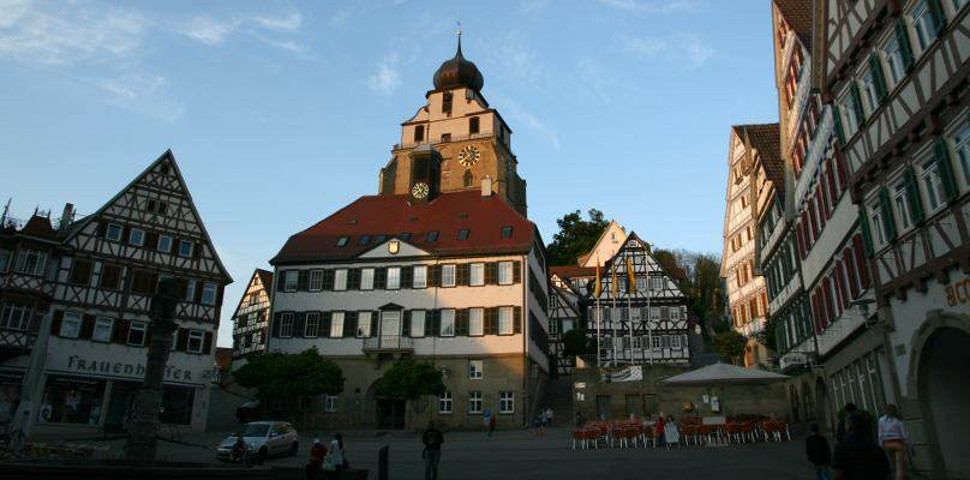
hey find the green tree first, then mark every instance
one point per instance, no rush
(409, 379)
(730, 345)
(576, 236)
(280, 377)
(578, 342)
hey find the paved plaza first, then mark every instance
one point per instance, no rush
(520, 455)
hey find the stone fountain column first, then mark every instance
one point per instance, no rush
(144, 426)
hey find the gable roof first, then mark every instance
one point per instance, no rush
(395, 216)
(584, 258)
(572, 271)
(265, 277)
(798, 14)
(766, 138)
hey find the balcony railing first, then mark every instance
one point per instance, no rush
(17, 340)
(389, 343)
(453, 138)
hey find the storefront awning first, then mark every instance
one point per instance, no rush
(724, 374)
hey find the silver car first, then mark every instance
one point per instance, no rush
(264, 440)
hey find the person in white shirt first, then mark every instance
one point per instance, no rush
(894, 439)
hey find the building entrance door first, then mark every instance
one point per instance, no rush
(390, 413)
(390, 329)
(944, 390)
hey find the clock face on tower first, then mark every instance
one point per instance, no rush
(468, 156)
(420, 190)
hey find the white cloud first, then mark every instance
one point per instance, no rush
(289, 23)
(386, 79)
(533, 5)
(520, 116)
(596, 78)
(645, 46)
(11, 10)
(652, 6)
(685, 49)
(697, 52)
(288, 45)
(208, 30)
(513, 56)
(146, 94)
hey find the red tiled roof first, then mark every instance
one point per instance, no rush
(394, 215)
(39, 226)
(266, 277)
(572, 271)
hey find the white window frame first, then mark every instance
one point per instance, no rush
(182, 245)
(164, 243)
(447, 327)
(475, 402)
(876, 224)
(506, 273)
(476, 322)
(476, 274)
(446, 403)
(337, 325)
(656, 342)
(931, 185)
(210, 291)
(449, 275)
(892, 55)
(71, 320)
(920, 22)
(190, 286)
(143, 328)
(367, 279)
(656, 283)
(39, 262)
(286, 325)
(870, 96)
(196, 337)
(291, 280)
(140, 242)
(100, 324)
(311, 325)
(331, 403)
(340, 279)
(506, 402)
(960, 142)
(476, 369)
(506, 321)
(420, 277)
(900, 201)
(22, 313)
(850, 121)
(393, 278)
(364, 319)
(418, 319)
(316, 280)
(114, 232)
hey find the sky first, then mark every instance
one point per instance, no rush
(279, 113)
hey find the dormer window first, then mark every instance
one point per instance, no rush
(419, 133)
(342, 241)
(446, 103)
(463, 234)
(364, 240)
(380, 238)
(506, 232)
(433, 236)
(473, 125)
(406, 236)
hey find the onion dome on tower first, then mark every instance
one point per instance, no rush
(458, 72)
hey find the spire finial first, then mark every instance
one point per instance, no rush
(458, 33)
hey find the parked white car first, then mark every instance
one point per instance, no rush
(264, 440)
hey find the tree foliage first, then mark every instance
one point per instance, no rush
(286, 377)
(698, 275)
(730, 344)
(576, 236)
(409, 379)
(578, 342)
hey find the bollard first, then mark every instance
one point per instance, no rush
(382, 463)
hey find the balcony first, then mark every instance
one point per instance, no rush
(389, 344)
(453, 138)
(14, 342)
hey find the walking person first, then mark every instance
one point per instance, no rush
(819, 453)
(894, 440)
(849, 409)
(549, 417)
(857, 457)
(432, 440)
(671, 432)
(487, 420)
(660, 429)
(335, 460)
(314, 468)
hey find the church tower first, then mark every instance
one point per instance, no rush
(455, 142)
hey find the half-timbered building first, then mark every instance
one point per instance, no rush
(250, 322)
(565, 309)
(895, 72)
(431, 268)
(94, 282)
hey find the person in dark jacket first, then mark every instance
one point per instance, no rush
(432, 440)
(857, 457)
(819, 453)
(849, 409)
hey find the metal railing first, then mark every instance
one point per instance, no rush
(452, 138)
(17, 339)
(388, 343)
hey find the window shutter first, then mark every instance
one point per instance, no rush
(375, 320)
(148, 335)
(328, 275)
(350, 324)
(407, 277)
(857, 104)
(281, 281)
(837, 119)
(848, 259)
(432, 323)
(861, 264)
(56, 322)
(866, 235)
(434, 275)
(517, 319)
(517, 272)
(303, 281)
(912, 191)
(120, 332)
(87, 327)
(197, 250)
(461, 271)
(887, 214)
(461, 322)
(902, 37)
(353, 279)
(380, 278)
(299, 324)
(877, 77)
(207, 343)
(491, 273)
(406, 324)
(276, 325)
(939, 16)
(942, 154)
(151, 240)
(102, 228)
(183, 340)
(491, 319)
(324, 330)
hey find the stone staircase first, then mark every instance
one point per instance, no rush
(559, 396)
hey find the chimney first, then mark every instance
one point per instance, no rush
(487, 186)
(67, 217)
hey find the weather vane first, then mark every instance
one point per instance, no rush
(459, 27)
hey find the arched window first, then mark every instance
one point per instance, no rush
(468, 178)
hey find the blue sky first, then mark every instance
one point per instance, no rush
(279, 113)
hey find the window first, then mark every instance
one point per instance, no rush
(5, 256)
(337, 324)
(102, 330)
(71, 325)
(961, 145)
(157, 206)
(656, 283)
(506, 232)
(316, 280)
(340, 279)
(367, 279)
(895, 66)
(877, 224)
(468, 179)
(445, 403)
(194, 344)
(506, 402)
(185, 248)
(31, 262)
(311, 328)
(190, 290)
(463, 234)
(447, 323)
(477, 277)
(656, 341)
(363, 324)
(852, 120)
(923, 24)
(505, 326)
(419, 133)
(476, 322)
(675, 313)
(113, 232)
(432, 236)
(81, 272)
(473, 125)
(330, 403)
(393, 278)
(446, 103)
(445, 137)
(901, 202)
(406, 236)
(420, 279)
(286, 325)
(870, 93)
(380, 238)
(15, 317)
(447, 275)
(209, 293)
(476, 369)
(932, 182)
(164, 243)
(342, 241)
(505, 273)
(137, 332)
(474, 402)
(291, 280)
(136, 237)
(417, 323)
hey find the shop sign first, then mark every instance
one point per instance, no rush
(92, 365)
(957, 292)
